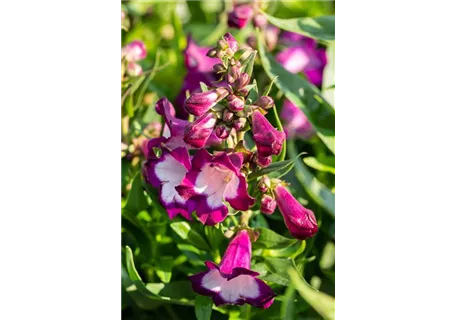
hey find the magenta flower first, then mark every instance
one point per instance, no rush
(267, 139)
(198, 132)
(232, 282)
(165, 173)
(240, 16)
(212, 180)
(199, 103)
(199, 69)
(303, 56)
(134, 51)
(175, 128)
(295, 122)
(268, 205)
(300, 221)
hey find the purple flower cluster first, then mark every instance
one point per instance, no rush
(192, 177)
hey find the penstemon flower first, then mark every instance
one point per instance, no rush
(232, 282)
(192, 177)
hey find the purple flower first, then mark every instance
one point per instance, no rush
(240, 16)
(267, 139)
(174, 129)
(300, 221)
(134, 51)
(232, 282)
(212, 180)
(197, 133)
(134, 69)
(199, 69)
(200, 102)
(303, 56)
(295, 121)
(165, 173)
(268, 205)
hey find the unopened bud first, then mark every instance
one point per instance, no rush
(212, 53)
(235, 103)
(264, 161)
(219, 68)
(242, 81)
(222, 131)
(264, 102)
(264, 184)
(268, 205)
(260, 21)
(239, 124)
(227, 116)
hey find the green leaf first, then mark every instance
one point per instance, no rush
(184, 231)
(319, 301)
(136, 200)
(253, 93)
(139, 285)
(316, 190)
(304, 95)
(270, 240)
(325, 166)
(291, 251)
(238, 54)
(196, 11)
(320, 28)
(287, 311)
(175, 290)
(280, 166)
(203, 307)
(164, 267)
(328, 75)
(249, 62)
(279, 270)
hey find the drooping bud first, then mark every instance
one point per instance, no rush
(268, 204)
(199, 103)
(267, 139)
(235, 103)
(197, 132)
(299, 220)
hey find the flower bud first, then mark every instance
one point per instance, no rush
(252, 41)
(263, 161)
(242, 81)
(240, 16)
(227, 116)
(200, 102)
(196, 133)
(235, 103)
(222, 131)
(268, 204)
(239, 124)
(212, 53)
(233, 74)
(267, 139)
(231, 41)
(265, 102)
(134, 51)
(264, 184)
(219, 67)
(300, 221)
(134, 69)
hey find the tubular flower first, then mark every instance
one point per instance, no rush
(240, 16)
(267, 139)
(295, 122)
(268, 205)
(199, 103)
(232, 282)
(198, 132)
(134, 51)
(174, 129)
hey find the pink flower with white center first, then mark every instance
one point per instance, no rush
(212, 180)
(134, 51)
(232, 282)
(165, 173)
(295, 122)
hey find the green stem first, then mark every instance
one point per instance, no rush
(247, 312)
(279, 125)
